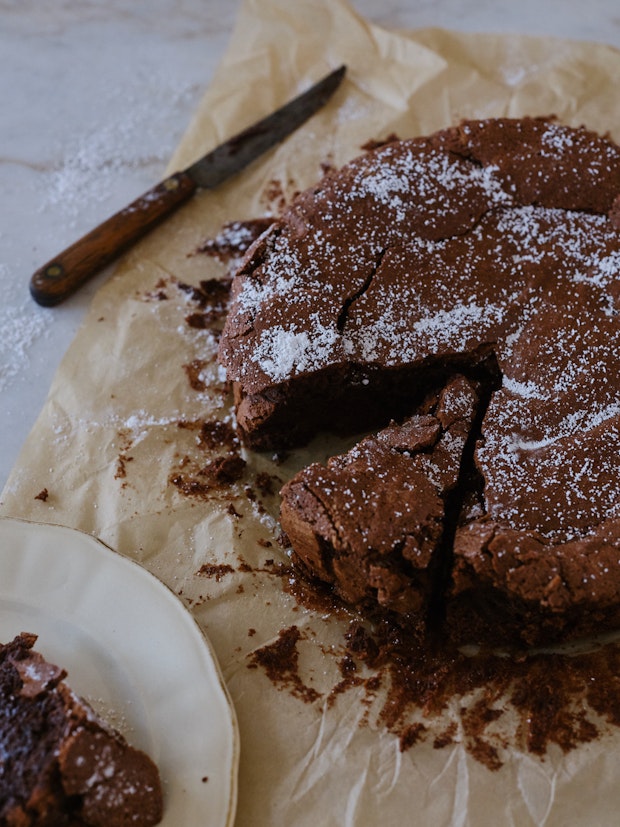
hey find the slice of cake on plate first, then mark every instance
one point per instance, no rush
(61, 763)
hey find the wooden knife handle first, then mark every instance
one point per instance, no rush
(62, 276)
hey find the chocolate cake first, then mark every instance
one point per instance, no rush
(372, 522)
(494, 241)
(60, 763)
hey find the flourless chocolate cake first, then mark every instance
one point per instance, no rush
(372, 522)
(426, 259)
(61, 764)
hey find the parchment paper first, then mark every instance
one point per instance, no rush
(108, 442)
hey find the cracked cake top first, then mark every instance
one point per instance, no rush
(420, 257)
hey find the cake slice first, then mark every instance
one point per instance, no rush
(60, 763)
(372, 523)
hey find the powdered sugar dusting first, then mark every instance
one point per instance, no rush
(526, 464)
(284, 352)
(412, 255)
(22, 326)
(557, 139)
(396, 179)
(462, 317)
(526, 390)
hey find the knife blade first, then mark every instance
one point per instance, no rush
(63, 275)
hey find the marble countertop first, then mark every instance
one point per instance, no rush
(94, 98)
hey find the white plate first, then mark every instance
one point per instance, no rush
(133, 651)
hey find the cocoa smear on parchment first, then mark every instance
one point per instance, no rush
(502, 702)
(280, 660)
(420, 690)
(124, 457)
(211, 298)
(196, 477)
(521, 700)
(218, 463)
(215, 570)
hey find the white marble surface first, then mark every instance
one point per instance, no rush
(95, 95)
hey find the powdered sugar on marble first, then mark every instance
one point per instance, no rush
(22, 325)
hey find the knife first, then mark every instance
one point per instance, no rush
(63, 275)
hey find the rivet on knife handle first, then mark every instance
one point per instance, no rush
(62, 276)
